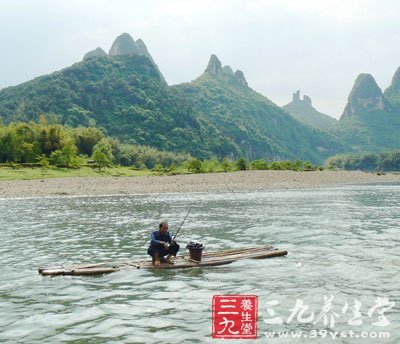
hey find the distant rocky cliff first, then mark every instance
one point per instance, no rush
(303, 111)
(371, 119)
(365, 96)
(98, 52)
(225, 73)
(124, 44)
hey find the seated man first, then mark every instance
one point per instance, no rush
(161, 245)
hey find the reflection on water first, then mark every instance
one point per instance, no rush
(341, 242)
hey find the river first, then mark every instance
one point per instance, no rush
(342, 266)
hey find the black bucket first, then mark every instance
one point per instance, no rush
(196, 253)
(195, 250)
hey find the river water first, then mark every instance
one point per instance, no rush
(343, 263)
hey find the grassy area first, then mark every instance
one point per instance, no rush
(8, 173)
(34, 171)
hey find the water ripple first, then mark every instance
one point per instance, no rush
(341, 242)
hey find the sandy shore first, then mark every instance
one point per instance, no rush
(210, 182)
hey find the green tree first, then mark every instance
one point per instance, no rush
(8, 143)
(86, 139)
(43, 161)
(309, 166)
(57, 158)
(105, 147)
(211, 165)
(195, 166)
(226, 165)
(28, 152)
(158, 168)
(69, 154)
(241, 164)
(172, 168)
(260, 164)
(50, 138)
(101, 159)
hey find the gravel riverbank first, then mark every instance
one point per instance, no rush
(210, 182)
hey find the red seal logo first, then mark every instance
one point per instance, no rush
(234, 316)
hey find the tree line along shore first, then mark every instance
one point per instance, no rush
(40, 150)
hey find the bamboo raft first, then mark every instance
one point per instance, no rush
(180, 262)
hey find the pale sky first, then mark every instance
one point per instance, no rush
(316, 46)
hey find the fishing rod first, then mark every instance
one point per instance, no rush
(181, 224)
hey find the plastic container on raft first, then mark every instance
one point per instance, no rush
(195, 250)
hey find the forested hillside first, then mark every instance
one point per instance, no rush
(125, 96)
(258, 126)
(371, 119)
